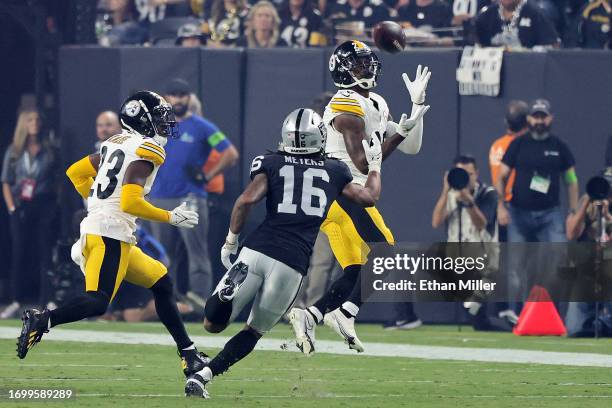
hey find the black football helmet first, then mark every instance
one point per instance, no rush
(354, 63)
(149, 114)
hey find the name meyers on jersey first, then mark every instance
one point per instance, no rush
(434, 286)
(304, 161)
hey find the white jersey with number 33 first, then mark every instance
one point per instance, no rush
(104, 215)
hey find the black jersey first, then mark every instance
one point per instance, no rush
(303, 31)
(300, 191)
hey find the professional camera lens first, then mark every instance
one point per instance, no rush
(457, 178)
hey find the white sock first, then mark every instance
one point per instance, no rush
(316, 313)
(206, 373)
(192, 347)
(350, 307)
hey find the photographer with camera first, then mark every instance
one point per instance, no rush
(591, 222)
(467, 207)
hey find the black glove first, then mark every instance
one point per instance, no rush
(196, 175)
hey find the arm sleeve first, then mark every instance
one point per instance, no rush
(8, 170)
(218, 141)
(82, 174)
(488, 205)
(152, 152)
(547, 33)
(509, 158)
(259, 165)
(133, 202)
(482, 36)
(567, 158)
(412, 143)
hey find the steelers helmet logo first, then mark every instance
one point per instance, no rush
(132, 108)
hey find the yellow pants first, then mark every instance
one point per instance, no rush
(350, 228)
(109, 261)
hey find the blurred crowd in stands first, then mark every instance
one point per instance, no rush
(313, 23)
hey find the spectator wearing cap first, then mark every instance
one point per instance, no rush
(189, 35)
(515, 24)
(540, 160)
(181, 179)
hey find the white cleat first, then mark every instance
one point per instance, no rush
(303, 325)
(345, 328)
(195, 386)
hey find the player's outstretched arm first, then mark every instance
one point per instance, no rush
(407, 135)
(352, 128)
(133, 202)
(251, 195)
(370, 193)
(82, 173)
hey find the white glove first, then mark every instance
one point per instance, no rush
(406, 124)
(417, 88)
(229, 248)
(184, 218)
(373, 153)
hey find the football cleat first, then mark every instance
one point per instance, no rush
(303, 325)
(193, 361)
(234, 279)
(345, 327)
(35, 324)
(195, 386)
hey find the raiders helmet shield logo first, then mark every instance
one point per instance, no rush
(132, 108)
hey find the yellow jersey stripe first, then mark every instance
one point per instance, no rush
(150, 154)
(351, 100)
(356, 110)
(153, 146)
(147, 147)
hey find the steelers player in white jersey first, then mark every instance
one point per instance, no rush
(114, 182)
(355, 113)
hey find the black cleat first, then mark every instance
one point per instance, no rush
(193, 361)
(195, 386)
(235, 278)
(35, 324)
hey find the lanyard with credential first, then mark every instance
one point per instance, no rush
(30, 168)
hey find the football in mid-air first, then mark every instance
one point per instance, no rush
(389, 37)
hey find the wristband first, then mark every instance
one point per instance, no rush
(231, 237)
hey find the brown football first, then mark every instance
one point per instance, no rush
(389, 37)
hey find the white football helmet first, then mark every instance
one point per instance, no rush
(303, 132)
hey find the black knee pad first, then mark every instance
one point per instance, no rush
(97, 303)
(216, 311)
(163, 287)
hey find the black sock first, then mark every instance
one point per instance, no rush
(217, 311)
(355, 296)
(168, 313)
(81, 307)
(237, 348)
(339, 290)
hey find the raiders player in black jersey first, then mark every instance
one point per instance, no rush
(299, 184)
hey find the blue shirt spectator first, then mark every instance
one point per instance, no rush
(185, 155)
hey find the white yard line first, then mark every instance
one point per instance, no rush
(491, 355)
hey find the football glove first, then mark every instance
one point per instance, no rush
(417, 88)
(229, 248)
(373, 153)
(183, 218)
(406, 124)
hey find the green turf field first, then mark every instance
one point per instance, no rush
(122, 375)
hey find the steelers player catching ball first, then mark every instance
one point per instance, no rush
(114, 182)
(355, 114)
